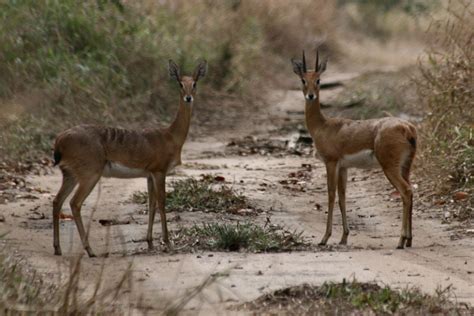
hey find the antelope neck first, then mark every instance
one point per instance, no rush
(313, 114)
(180, 126)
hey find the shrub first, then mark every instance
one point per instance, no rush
(446, 89)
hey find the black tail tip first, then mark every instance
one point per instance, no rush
(57, 157)
(412, 141)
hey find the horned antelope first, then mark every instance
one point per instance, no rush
(389, 143)
(85, 153)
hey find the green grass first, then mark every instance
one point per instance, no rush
(355, 298)
(241, 237)
(204, 195)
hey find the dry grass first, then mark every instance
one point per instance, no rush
(22, 290)
(200, 195)
(68, 62)
(446, 89)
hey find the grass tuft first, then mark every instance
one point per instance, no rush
(355, 298)
(204, 195)
(242, 237)
(23, 291)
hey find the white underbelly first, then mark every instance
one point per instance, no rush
(364, 159)
(116, 170)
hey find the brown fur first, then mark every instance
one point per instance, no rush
(391, 140)
(84, 152)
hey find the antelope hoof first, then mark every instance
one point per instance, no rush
(90, 252)
(408, 244)
(150, 245)
(324, 241)
(343, 241)
(401, 243)
(57, 251)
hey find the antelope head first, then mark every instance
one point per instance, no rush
(309, 77)
(187, 83)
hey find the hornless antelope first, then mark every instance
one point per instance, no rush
(85, 153)
(389, 143)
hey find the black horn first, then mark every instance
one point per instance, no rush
(317, 61)
(304, 63)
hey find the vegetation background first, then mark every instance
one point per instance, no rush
(66, 62)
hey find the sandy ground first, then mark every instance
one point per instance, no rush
(373, 212)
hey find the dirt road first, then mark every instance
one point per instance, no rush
(373, 214)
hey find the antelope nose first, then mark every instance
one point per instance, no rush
(311, 96)
(188, 98)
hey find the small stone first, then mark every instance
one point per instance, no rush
(460, 196)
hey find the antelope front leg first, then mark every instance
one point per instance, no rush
(159, 182)
(341, 192)
(151, 211)
(331, 174)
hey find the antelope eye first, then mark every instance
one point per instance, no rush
(194, 85)
(303, 81)
(181, 84)
(317, 82)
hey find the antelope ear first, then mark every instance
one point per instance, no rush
(200, 70)
(322, 66)
(297, 67)
(173, 70)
